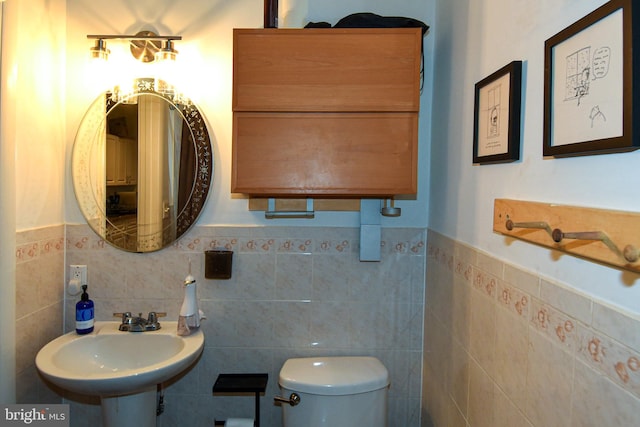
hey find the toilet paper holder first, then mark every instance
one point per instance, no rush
(242, 383)
(218, 264)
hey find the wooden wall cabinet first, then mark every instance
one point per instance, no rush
(326, 112)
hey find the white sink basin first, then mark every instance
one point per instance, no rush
(109, 362)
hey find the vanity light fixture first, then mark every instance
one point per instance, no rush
(146, 46)
(99, 50)
(167, 53)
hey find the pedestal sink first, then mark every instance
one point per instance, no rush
(123, 368)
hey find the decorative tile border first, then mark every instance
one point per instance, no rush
(301, 246)
(333, 246)
(556, 325)
(53, 246)
(227, 243)
(285, 240)
(464, 269)
(513, 299)
(485, 282)
(257, 245)
(27, 252)
(613, 359)
(189, 244)
(39, 242)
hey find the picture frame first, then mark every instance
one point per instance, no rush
(589, 86)
(496, 130)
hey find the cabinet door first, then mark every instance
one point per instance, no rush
(115, 167)
(373, 69)
(130, 158)
(338, 154)
(110, 159)
(122, 161)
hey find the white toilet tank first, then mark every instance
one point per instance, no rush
(335, 392)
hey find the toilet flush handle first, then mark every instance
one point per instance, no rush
(293, 400)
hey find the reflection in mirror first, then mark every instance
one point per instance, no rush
(142, 167)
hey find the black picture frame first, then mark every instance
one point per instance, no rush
(589, 84)
(496, 129)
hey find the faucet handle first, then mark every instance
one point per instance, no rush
(153, 316)
(152, 322)
(125, 316)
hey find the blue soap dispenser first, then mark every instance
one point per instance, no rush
(84, 313)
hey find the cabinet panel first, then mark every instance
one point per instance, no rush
(327, 69)
(121, 161)
(111, 162)
(338, 154)
(131, 161)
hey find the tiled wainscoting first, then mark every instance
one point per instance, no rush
(295, 291)
(504, 347)
(39, 306)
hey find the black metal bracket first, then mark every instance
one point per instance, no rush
(242, 383)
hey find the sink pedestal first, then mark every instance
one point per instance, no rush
(131, 410)
(113, 364)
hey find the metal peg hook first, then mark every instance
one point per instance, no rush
(510, 225)
(630, 253)
(558, 235)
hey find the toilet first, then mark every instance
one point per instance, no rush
(334, 392)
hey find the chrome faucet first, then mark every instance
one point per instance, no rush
(138, 323)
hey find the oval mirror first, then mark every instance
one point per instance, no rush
(142, 167)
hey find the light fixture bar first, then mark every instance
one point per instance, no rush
(146, 46)
(131, 37)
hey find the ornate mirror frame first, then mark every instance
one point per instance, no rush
(89, 176)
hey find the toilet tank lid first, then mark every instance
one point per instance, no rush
(334, 375)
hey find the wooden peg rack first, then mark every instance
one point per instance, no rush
(600, 235)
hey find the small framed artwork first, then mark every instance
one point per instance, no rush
(496, 131)
(589, 86)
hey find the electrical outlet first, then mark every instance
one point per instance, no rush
(78, 272)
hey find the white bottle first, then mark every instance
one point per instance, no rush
(189, 318)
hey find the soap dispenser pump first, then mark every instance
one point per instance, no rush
(189, 318)
(84, 313)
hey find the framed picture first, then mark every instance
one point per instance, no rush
(589, 86)
(496, 131)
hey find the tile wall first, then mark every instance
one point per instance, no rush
(295, 291)
(505, 347)
(39, 306)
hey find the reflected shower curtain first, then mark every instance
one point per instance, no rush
(152, 165)
(187, 179)
(174, 131)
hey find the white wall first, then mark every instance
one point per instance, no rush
(36, 74)
(474, 39)
(206, 58)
